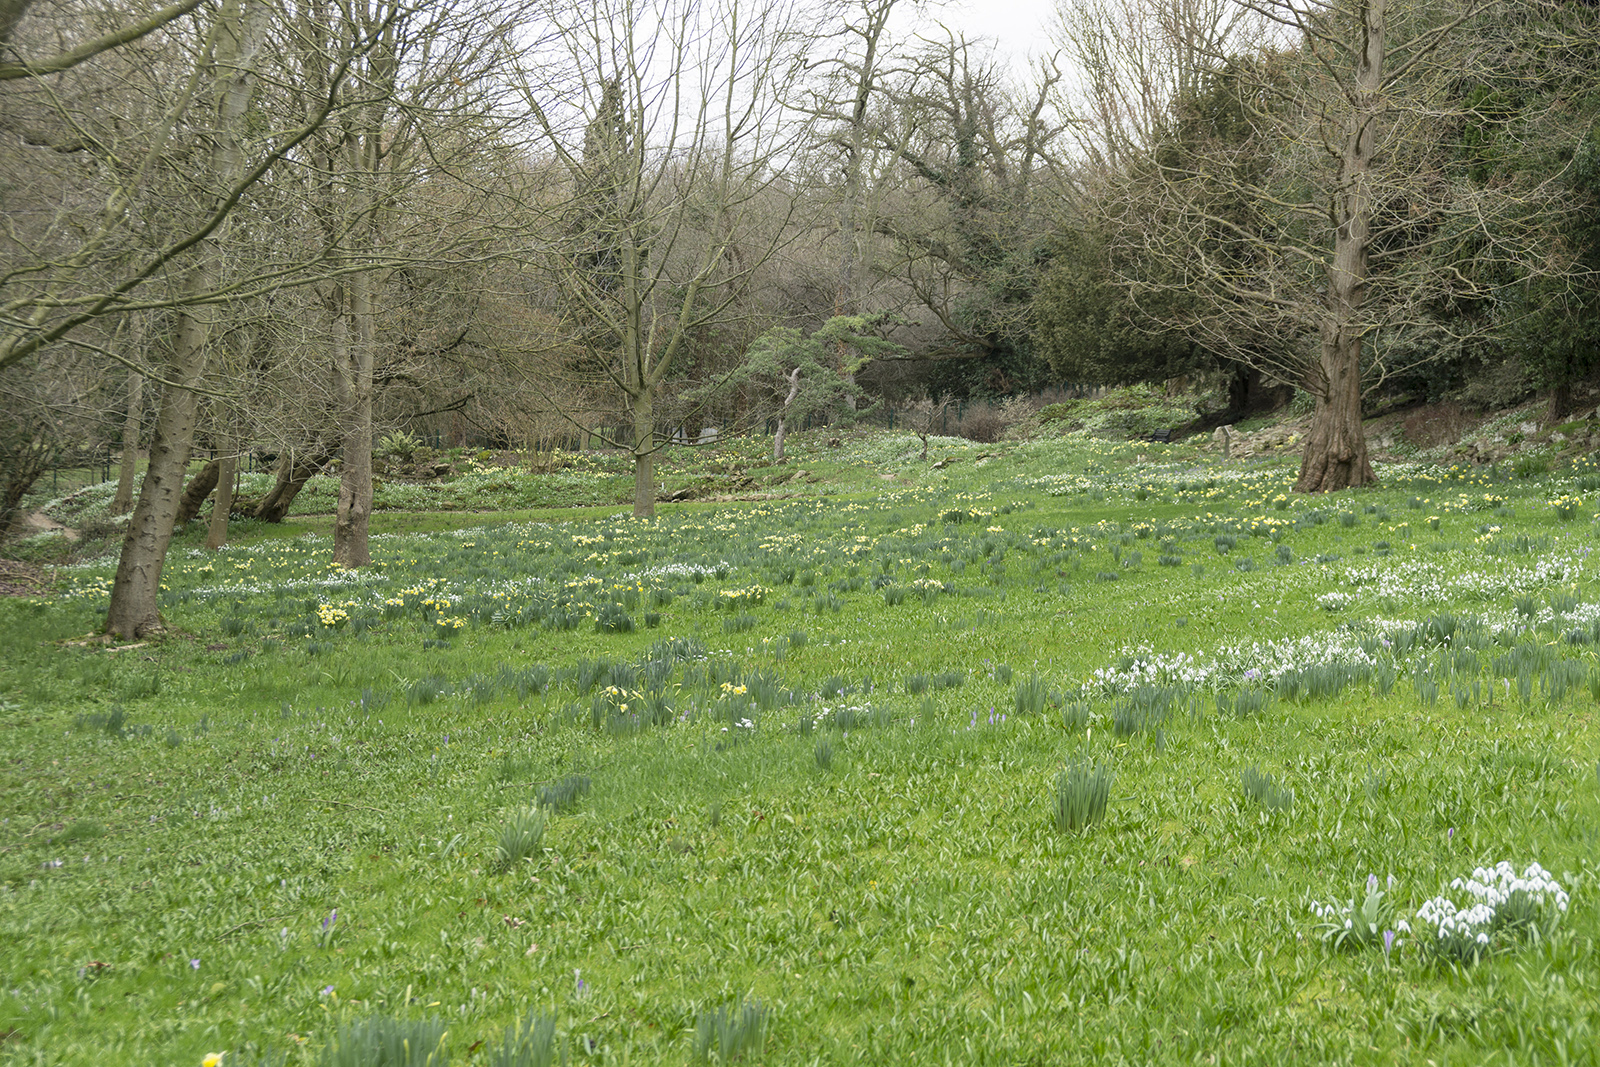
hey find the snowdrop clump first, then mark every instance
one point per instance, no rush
(1500, 885)
(1498, 901)
(1501, 899)
(1460, 932)
(1230, 664)
(1420, 581)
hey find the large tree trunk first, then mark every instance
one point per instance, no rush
(1336, 448)
(1560, 403)
(644, 456)
(136, 591)
(195, 494)
(122, 503)
(295, 469)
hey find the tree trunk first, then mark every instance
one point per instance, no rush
(195, 494)
(1249, 393)
(217, 534)
(122, 503)
(777, 438)
(136, 591)
(1336, 448)
(295, 469)
(1560, 405)
(644, 456)
(350, 527)
(13, 487)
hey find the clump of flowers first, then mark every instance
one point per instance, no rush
(1335, 601)
(332, 617)
(448, 625)
(1499, 902)
(1566, 506)
(733, 599)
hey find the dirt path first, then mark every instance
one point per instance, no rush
(37, 522)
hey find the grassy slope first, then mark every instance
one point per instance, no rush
(911, 901)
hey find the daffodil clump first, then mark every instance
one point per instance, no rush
(733, 599)
(332, 617)
(1567, 506)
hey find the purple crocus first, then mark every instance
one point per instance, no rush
(333, 917)
(1388, 942)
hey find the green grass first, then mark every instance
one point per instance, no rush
(791, 817)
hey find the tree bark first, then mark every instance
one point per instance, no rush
(777, 438)
(122, 503)
(1336, 448)
(217, 533)
(195, 494)
(295, 469)
(1560, 404)
(14, 485)
(350, 527)
(1335, 456)
(644, 455)
(136, 590)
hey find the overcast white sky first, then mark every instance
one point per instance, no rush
(1019, 26)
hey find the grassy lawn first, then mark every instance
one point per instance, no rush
(790, 780)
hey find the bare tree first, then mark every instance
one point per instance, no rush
(924, 414)
(1133, 61)
(426, 68)
(53, 62)
(667, 118)
(132, 218)
(965, 217)
(1305, 213)
(227, 70)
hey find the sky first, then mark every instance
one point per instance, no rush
(1019, 26)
